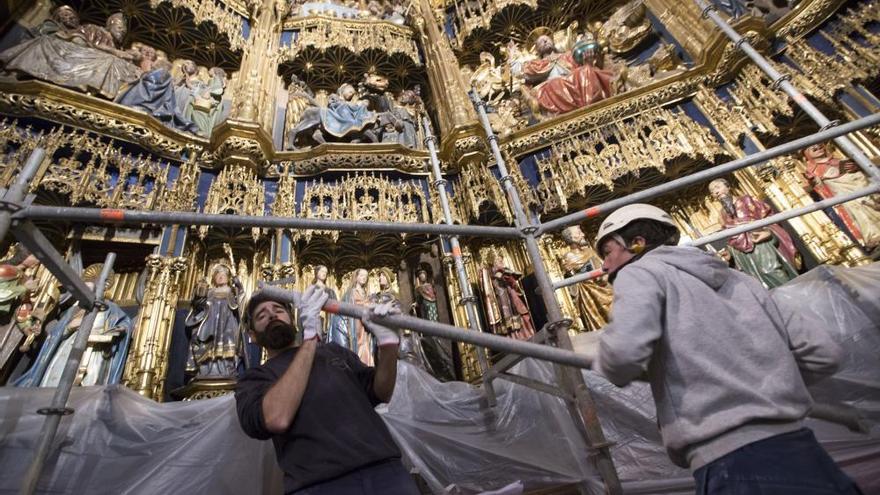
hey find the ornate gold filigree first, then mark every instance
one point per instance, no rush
(323, 32)
(355, 157)
(601, 157)
(363, 197)
(238, 191)
(40, 99)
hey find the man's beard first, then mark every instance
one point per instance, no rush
(727, 204)
(277, 335)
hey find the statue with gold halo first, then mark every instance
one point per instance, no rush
(828, 176)
(104, 358)
(562, 81)
(84, 57)
(213, 325)
(509, 313)
(592, 298)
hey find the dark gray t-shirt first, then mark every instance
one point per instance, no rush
(336, 429)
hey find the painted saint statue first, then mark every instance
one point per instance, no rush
(103, 361)
(767, 254)
(213, 324)
(593, 299)
(357, 339)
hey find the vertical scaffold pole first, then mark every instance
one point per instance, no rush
(467, 296)
(59, 401)
(572, 381)
(782, 81)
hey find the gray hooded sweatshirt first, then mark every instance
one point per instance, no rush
(726, 367)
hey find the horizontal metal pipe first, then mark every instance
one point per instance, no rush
(712, 173)
(785, 215)
(733, 231)
(116, 217)
(436, 329)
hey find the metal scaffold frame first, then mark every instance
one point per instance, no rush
(17, 212)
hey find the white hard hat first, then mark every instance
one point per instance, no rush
(622, 217)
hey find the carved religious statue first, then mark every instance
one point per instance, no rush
(767, 254)
(103, 361)
(200, 97)
(559, 82)
(345, 116)
(19, 323)
(357, 339)
(592, 298)
(828, 176)
(334, 321)
(627, 27)
(85, 57)
(506, 303)
(155, 92)
(437, 353)
(212, 325)
(488, 79)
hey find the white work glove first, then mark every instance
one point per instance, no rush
(383, 334)
(587, 343)
(309, 306)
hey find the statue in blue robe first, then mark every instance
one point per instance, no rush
(103, 361)
(154, 93)
(213, 325)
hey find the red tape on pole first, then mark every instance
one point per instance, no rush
(113, 215)
(592, 212)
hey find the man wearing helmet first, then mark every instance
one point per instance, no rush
(316, 402)
(727, 369)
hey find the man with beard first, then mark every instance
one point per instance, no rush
(316, 402)
(767, 254)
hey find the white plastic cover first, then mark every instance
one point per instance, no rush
(120, 443)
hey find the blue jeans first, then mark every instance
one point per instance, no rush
(789, 464)
(384, 478)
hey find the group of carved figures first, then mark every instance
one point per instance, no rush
(91, 58)
(219, 347)
(367, 113)
(391, 11)
(44, 326)
(770, 254)
(557, 72)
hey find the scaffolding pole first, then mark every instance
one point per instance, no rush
(734, 231)
(467, 296)
(571, 379)
(117, 217)
(13, 197)
(443, 330)
(711, 173)
(59, 408)
(783, 82)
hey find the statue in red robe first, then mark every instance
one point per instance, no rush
(562, 82)
(767, 254)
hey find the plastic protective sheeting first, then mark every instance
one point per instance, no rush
(449, 435)
(118, 442)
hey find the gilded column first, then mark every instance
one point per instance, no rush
(683, 19)
(148, 358)
(454, 108)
